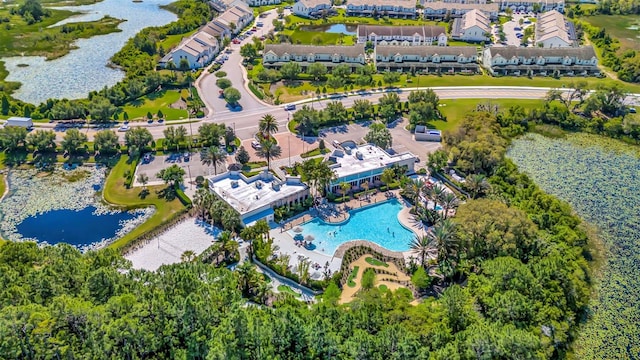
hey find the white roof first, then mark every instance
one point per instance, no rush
(253, 194)
(19, 119)
(371, 158)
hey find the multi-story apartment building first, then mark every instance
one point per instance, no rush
(427, 59)
(402, 35)
(395, 8)
(276, 55)
(440, 9)
(310, 8)
(473, 26)
(553, 30)
(569, 61)
(194, 52)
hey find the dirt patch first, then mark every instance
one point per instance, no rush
(392, 282)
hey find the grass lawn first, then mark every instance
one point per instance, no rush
(3, 185)
(117, 194)
(352, 276)
(314, 152)
(303, 89)
(625, 28)
(139, 108)
(287, 290)
(172, 40)
(319, 38)
(455, 109)
(375, 262)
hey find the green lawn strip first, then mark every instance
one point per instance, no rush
(51, 42)
(153, 102)
(117, 194)
(314, 152)
(287, 290)
(3, 185)
(375, 262)
(352, 276)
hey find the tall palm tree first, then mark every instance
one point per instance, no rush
(344, 188)
(442, 236)
(216, 209)
(230, 219)
(202, 201)
(449, 201)
(213, 156)
(412, 190)
(477, 185)
(246, 277)
(269, 149)
(435, 193)
(268, 125)
(422, 246)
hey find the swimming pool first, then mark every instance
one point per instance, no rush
(378, 223)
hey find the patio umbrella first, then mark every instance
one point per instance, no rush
(309, 238)
(297, 229)
(298, 237)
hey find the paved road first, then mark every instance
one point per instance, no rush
(209, 91)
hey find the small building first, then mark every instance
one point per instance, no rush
(276, 55)
(235, 18)
(516, 60)
(310, 8)
(441, 9)
(553, 30)
(473, 26)
(365, 164)
(405, 9)
(254, 198)
(427, 59)
(421, 133)
(24, 122)
(402, 35)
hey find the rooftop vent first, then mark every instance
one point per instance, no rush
(358, 155)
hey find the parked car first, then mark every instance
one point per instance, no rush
(336, 143)
(123, 128)
(186, 156)
(517, 28)
(256, 145)
(290, 107)
(632, 110)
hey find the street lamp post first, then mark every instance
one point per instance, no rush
(190, 182)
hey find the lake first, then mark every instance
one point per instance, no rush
(332, 28)
(85, 69)
(75, 227)
(600, 178)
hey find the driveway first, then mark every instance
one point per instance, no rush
(509, 29)
(209, 91)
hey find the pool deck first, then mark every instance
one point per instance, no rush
(336, 213)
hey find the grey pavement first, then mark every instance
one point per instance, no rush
(192, 168)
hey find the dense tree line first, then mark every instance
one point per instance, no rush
(619, 7)
(625, 62)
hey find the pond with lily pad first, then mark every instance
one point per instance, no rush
(63, 206)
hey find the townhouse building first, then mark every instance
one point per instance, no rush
(402, 35)
(193, 53)
(262, 2)
(532, 5)
(310, 8)
(553, 30)
(405, 9)
(276, 55)
(473, 26)
(568, 61)
(439, 9)
(235, 18)
(427, 59)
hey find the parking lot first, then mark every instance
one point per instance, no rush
(512, 28)
(192, 165)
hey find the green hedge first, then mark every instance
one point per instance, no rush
(255, 91)
(184, 199)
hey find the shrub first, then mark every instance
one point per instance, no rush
(184, 199)
(199, 180)
(221, 74)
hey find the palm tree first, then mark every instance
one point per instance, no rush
(215, 211)
(230, 220)
(449, 201)
(365, 185)
(477, 185)
(213, 156)
(422, 246)
(246, 277)
(188, 256)
(435, 193)
(344, 188)
(442, 237)
(268, 125)
(202, 201)
(143, 179)
(269, 149)
(412, 190)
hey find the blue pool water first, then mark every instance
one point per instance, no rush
(332, 28)
(73, 227)
(378, 223)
